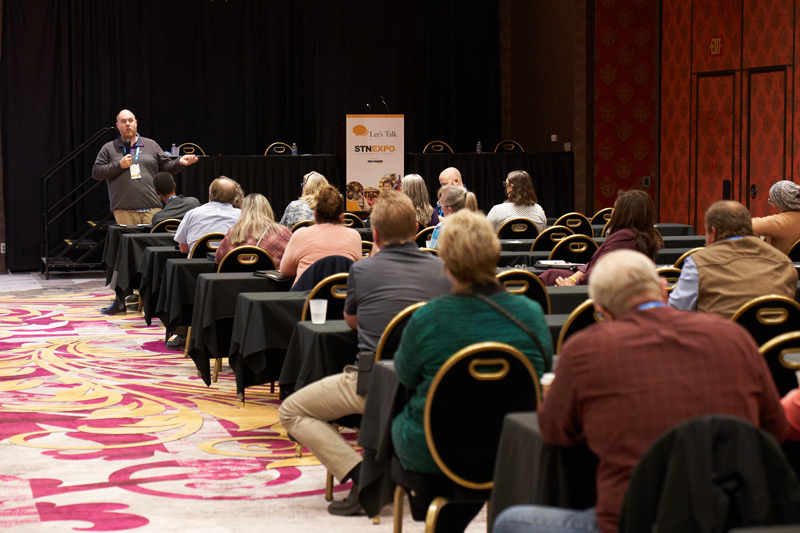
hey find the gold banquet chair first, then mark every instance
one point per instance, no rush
(526, 283)
(278, 148)
(682, 258)
(508, 146)
(782, 355)
(794, 252)
(246, 259)
(602, 216)
(190, 149)
(671, 274)
(577, 222)
(169, 225)
(424, 236)
(500, 380)
(366, 248)
(518, 228)
(334, 289)
(352, 221)
(551, 236)
(303, 224)
(206, 244)
(582, 316)
(767, 317)
(439, 147)
(574, 249)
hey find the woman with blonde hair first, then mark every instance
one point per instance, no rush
(414, 187)
(303, 208)
(522, 202)
(452, 198)
(256, 227)
(470, 250)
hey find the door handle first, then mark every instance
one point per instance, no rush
(753, 191)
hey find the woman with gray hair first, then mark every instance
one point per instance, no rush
(303, 208)
(781, 230)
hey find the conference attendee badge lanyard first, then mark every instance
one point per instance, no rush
(135, 174)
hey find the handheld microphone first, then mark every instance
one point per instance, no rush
(383, 101)
(126, 145)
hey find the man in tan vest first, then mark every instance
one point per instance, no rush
(733, 268)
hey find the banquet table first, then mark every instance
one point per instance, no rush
(316, 351)
(665, 256)
(129, 257)
(113, 235)
(214, 307)
(152, 274)
(263, 324)
(176, 297)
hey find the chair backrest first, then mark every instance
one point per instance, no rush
(574, 249)
(278, 148)
(518, 228)
(500, 380)
(334, 289)
(390, 338)
(671, 274)
(794, 252)
(606, 227)
(205, 244)
(508, 146)
(169, 225)
(602, 216)
(190, 148)
(352, 221)
(523, 282)
(682, 258)
(246, 259)
(711, 473)
(424, 235)
(580, 317)
(577, 222)
(366, 248)
(766, 317)
(303, 224)
(321, 269)
(783, 358)
(438, 147)
(551, 236)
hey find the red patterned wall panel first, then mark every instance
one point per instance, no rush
(626, 90)
(715, 126)
(767, 136)
(676, 67)
(768, 33)
(794, 173)
(714, 19)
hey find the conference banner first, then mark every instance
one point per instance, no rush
(375, 152)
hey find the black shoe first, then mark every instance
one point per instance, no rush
(349, 506)
(117, 307)
(177, 343)
(133, 299)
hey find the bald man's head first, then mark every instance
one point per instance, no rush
(450, 176)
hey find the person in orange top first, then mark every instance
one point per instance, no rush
(781, 230)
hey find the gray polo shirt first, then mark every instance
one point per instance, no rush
(381, 286)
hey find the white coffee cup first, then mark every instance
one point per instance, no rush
(545, 381)
(319, 308)
(567, 147)
(428, 244)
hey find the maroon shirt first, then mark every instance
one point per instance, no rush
(621, 384)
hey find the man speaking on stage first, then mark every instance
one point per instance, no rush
(128, 164)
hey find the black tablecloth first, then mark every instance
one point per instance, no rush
(529, 471)
(262, 327)
(483, 174)
(671, 229)
(278, 177)
(176, 297)
(129, 257)
(665, 256)
(152, 270)
(214, 307)
(316, 351)
(112, 245)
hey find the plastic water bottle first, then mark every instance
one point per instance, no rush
(294, 148)
(479, 148)
(175, 150)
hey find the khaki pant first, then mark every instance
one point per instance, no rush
(305, 415)
(132, 218)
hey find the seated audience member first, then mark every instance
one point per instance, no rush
(733, 268)
(791, 406)
(303, 208)
(327, 237)
(217, 216)
(470, 250)
(175, 205)
(521, 202)
(414, 187)
(256, 227)
(452, 198)
(378, 288)
(632, 227)
(620, 384)
(781, 230)
(450, 176)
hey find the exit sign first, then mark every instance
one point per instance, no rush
(715, 47)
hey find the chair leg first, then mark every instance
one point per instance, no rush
(432, 515)
(298, 450)
(186, 345)
(328, 486)
(272, 387)
(217, 367)
(398, 509)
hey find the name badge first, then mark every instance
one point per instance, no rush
(135, 174)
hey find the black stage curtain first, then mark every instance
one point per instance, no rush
(232, 76)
